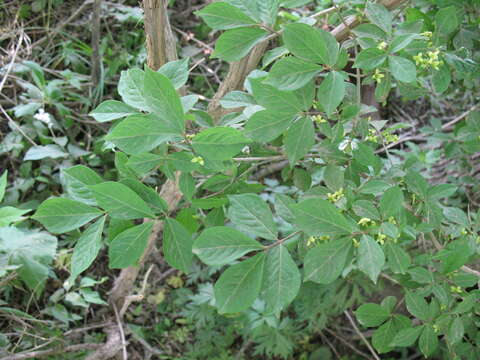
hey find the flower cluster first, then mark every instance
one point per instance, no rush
(389, 137)
(318, 119)
(382, 46)
(372, 135)
(381, 238)
(366, 222)
(378, 76)
(199, 160)
(337, 195)
(428, 59)
(312, 240)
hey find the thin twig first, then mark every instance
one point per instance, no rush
(12, 61)
(364, 339)
(17, 126)
(122, 333)
(43, 353)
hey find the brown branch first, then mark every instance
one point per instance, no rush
(342, 31)
(159, 37)
(160, 49)
(237, 73)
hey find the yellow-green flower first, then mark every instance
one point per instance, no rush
(381, 238)
(364, 221)
(382, 46)
(372, 136)
(199, 160)
(337, 195)
(456, 289)
(378, 76)
(319, 119)
(427, 34)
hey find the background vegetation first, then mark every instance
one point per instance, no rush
(362, 192)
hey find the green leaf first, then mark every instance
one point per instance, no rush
(318, 217)
(130, 88)
(248, 7)
(383, 88)
(417, 306)
(76, 182)
(446, 20)
(32, 250)
(283, 208)
(221, 245)
(371, 315)
(47, 151)
(417, 184)
(370, 257)
(60, 215)
(9, 215)
(280, 102)
(144, 162)
(127, 248)
(188, 102)
(402, 69)
(397, 258)
(455, 215)
(384, 335)
(140, 133)
(370, 59)
(302, 179)
(249, 213)
(268, 10)
(87, 248)
(261, 11)
(148, 194)
(400, 42)
(3, 184)
(187, 185)
(219, 143)
(177, 245)
(267, 125)
(311, 44)
(299, 139)
(163, 101)
(428, 341)
(239, 286)
(120, 202)
(333, 177)
(281, 280)
(366, 156)
(223, 16)
(324, 263)
(369, 31)
(365, 209)
(380, 16)
(234, 44)
(407, 337)
(111, 110)
(331, 92)
(176, 71)
(291, 73)
(441, 78)
(391, 202)
(456, 331)
(235, 99)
